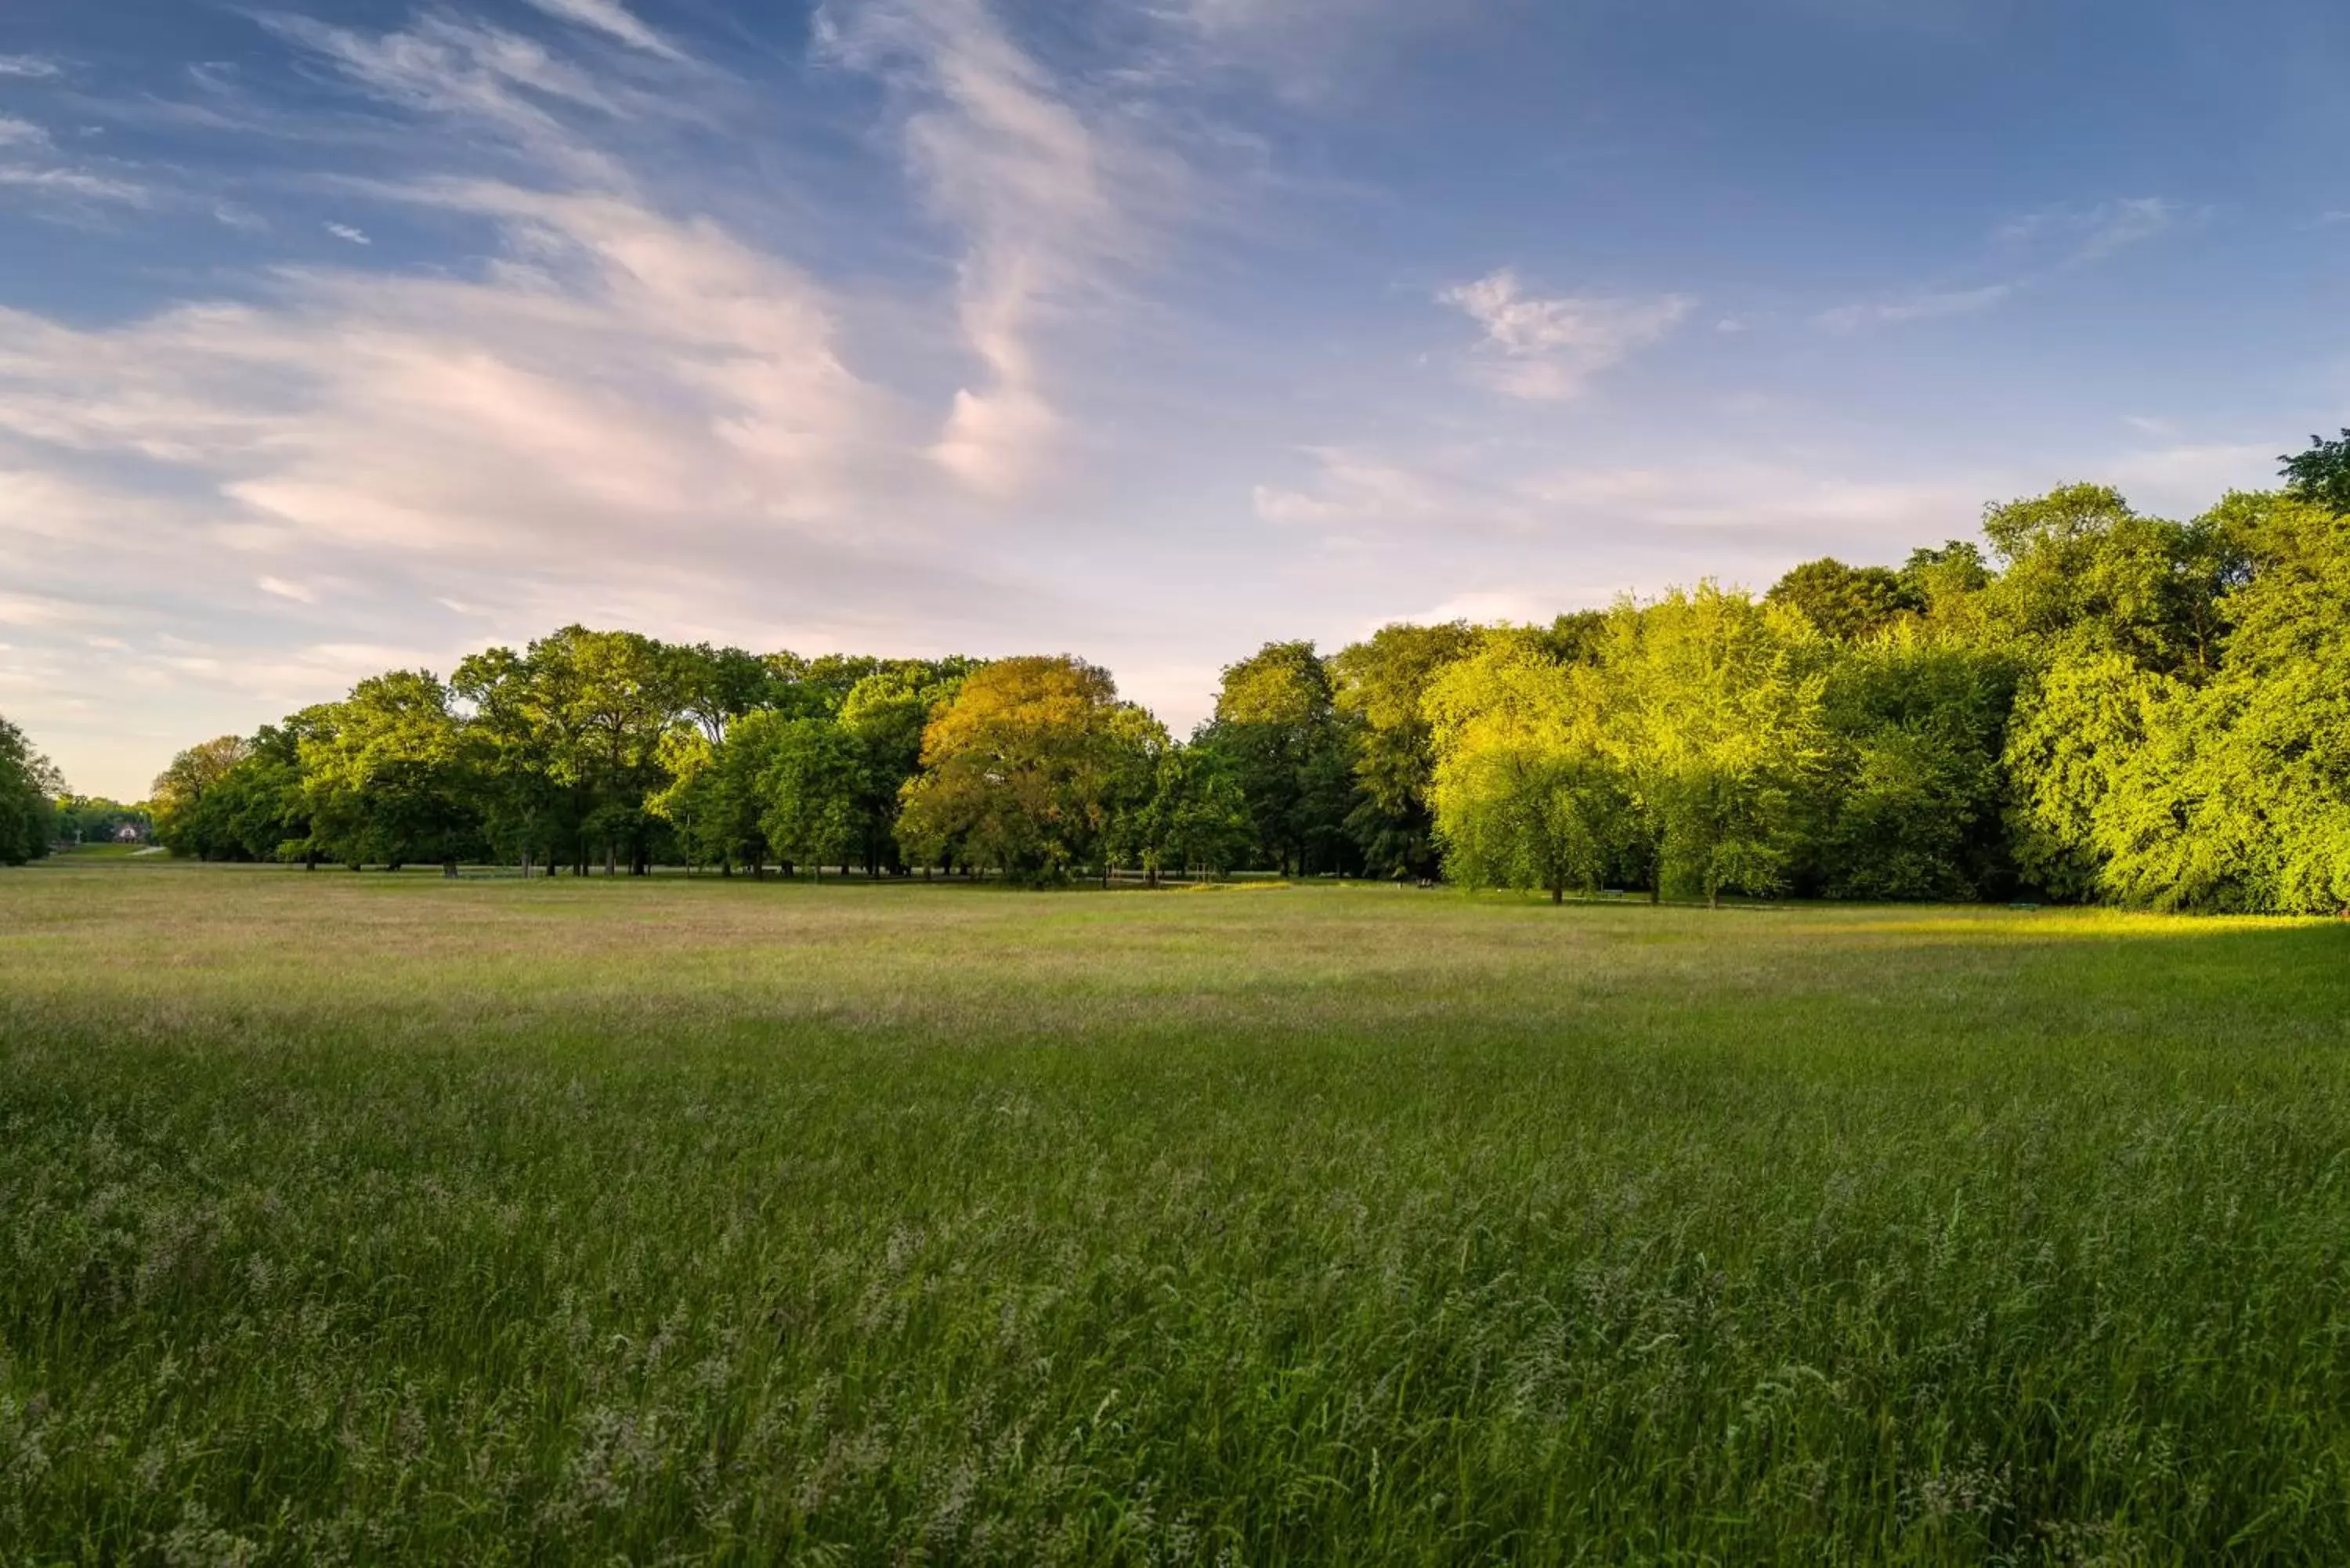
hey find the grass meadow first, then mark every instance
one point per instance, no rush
(368, 1218)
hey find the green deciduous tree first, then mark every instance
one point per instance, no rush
(1528, 788)
(2322, 474)
(1846, 602)
(389, 777)
(1278, 727)
(1909, 799)
(179, 794)
(28, 786)
(1382, 686)
(2083, 573)
(1026, 768)
(809, 788)
(1720, 730)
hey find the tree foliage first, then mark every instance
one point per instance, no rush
(28, 786)
(2089, 703)
(1026, 770)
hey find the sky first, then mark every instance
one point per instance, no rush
(350, 335)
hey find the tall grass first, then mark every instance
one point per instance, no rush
(368, 1218)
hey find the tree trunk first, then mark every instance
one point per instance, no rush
(449, 868)
(1558, 893)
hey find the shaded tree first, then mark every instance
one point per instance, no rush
(29, 783)
(1381, 685)
(1845, 603)
(1278, 726)
(2321, 475)
(389, 777)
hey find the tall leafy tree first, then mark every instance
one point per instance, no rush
(179, 790)
(1191, 819)
(1381, 685)
(1719, 731)
(1277, 724)
(810, 788)
(1845, 603)
(2322, 474)
(2085, 573)
(1528, 791)
(528, 733)
(29, 786)
(2232, 792)
(390, 779)
(1909, 800)
(886, 713)
(1026, 768)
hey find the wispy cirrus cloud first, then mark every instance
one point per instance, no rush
(1916, 307)
(2080, 236)
(2034, 248)
(1547, 349)
(1050, 193)
(614, 20)
(451, 70)
(73, 183)
(32, 66)
(31, 163)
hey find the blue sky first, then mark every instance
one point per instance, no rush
(335, 336)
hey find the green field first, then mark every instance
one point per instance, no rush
(363, 1218)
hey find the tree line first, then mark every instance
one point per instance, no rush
(2085, 704)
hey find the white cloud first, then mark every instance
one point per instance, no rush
(627, 414)
(1547, 349)
(2083, 235)
(1354, 491)
(17, 132)
(28, 66)
(612, 19)
(2039, 246)
(447, 67)
(1048, 195)
(73, 183)
(349, 234)
(1916, 307)
(2182, 479)
(1482, 607)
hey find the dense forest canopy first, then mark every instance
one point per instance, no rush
(2088, 704)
